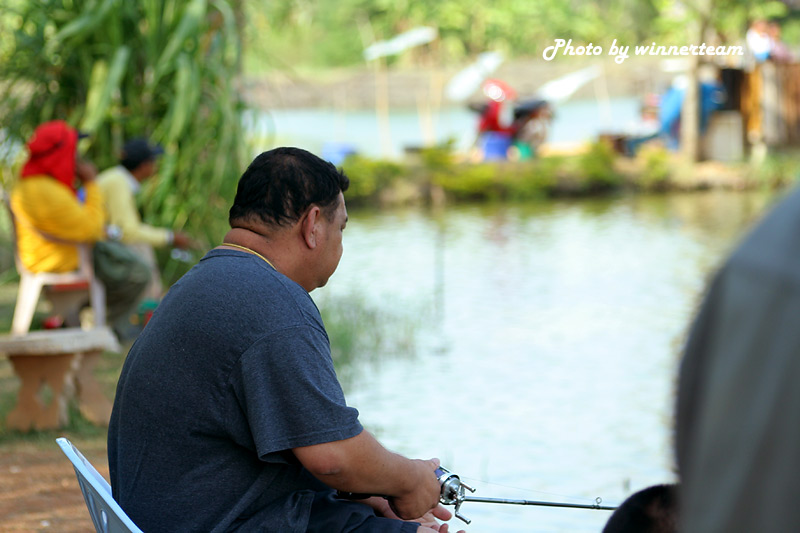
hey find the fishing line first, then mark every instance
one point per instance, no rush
(555, 494)
(454, 492)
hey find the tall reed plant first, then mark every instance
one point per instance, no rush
(163, 69)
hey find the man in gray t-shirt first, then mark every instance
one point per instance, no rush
(228, 414)
(738, 412)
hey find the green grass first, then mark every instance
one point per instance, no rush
(363, 334)
(360, 334)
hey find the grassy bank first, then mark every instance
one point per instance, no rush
(438, 175)
(361, 334)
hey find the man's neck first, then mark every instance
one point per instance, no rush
(283, 248)
(252, 240)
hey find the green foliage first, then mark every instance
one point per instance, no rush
(368, 177)
(361, 333)
(777, 169)
(438, 158)
(534, 180)
(283, 33)
(655, 162)
(505, 180)
(466, 182)
(728, 18)
(117, 69)
(596, 167)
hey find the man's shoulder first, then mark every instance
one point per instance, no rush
(111, 175)
(256, 284)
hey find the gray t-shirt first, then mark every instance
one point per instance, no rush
(738, 411)
(233, 370)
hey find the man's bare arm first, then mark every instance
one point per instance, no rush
(362, 465)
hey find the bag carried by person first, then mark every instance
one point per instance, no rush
(115, 263)
(123, 273)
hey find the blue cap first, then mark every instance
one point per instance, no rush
(137, 151)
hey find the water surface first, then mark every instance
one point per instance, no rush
(548, 337)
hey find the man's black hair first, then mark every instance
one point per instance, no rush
(281, 184)
(651, 510)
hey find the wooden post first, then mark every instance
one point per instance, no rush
(382, 106)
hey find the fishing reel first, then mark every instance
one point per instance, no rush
(453, 491)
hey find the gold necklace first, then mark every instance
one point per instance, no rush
(248, 250)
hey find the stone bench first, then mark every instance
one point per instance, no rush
(53, 366)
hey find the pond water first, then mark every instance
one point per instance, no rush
(312, 129)
(547, 341)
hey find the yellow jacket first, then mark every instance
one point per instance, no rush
(42, 205)
(118, 186)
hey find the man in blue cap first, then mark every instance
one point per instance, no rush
(119, 186)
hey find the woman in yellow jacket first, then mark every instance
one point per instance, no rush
(50, 218)
(46, 205)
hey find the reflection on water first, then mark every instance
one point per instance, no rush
(549, 338)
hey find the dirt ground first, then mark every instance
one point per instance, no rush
(39, 489)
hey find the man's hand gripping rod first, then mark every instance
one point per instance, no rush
(453, 493)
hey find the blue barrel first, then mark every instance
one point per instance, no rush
(495, 145)
(336, 152)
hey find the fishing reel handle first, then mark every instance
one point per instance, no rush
(452, 491)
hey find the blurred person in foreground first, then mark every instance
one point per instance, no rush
(650, 510)
(119, 186)
(51, 219)
(231, 388)
(738, 405)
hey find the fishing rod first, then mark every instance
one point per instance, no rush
(454, 493)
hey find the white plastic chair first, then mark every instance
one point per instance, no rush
(64, 302)
(107, 515)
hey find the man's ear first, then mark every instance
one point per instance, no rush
(308, 226)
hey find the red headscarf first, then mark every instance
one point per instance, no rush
(52, 152)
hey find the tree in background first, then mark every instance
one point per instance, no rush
(288, 32)
(165, 69)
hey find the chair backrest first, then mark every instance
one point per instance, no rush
(107, 515)
(13, 219)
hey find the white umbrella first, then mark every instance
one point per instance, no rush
(467, 81)
(560, 89)
(399, 43)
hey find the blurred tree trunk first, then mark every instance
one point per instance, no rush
(690, 138)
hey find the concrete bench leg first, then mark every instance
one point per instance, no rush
(93, 404)
(34, 372)
(53, 367)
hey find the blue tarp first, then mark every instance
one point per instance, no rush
(712, 97)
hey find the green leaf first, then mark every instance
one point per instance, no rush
(104, 83)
